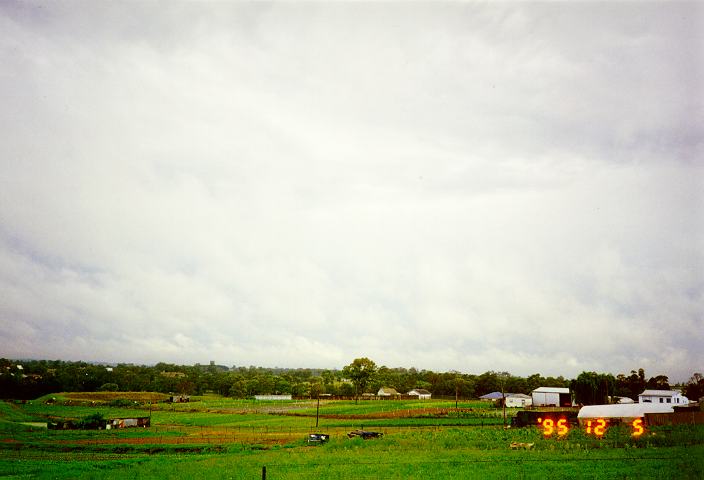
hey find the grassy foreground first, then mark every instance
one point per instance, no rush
(222, 438)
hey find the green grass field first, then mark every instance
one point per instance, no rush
(216, 437)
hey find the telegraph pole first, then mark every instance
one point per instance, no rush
(317, 411)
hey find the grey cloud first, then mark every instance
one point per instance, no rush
(487, 187)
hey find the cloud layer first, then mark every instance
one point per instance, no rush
(445, 186)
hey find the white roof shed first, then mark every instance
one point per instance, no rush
(624, 411)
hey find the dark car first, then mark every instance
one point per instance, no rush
(364, 434)
(318, 438)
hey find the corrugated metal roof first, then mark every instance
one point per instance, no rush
(491, 396)
(551, 390)
(387, 391)
(659, 393)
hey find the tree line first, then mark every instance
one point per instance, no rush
(28, 379)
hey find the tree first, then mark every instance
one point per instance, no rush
(487, 382)
(694, 390)
(660, 382)
(361, 372)
(591, 388)
(631, 386)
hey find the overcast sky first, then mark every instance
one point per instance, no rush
(502, 186)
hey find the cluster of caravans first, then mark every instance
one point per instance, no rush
(561, 397)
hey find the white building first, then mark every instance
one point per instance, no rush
(551, 397)
(518, 400)
(422, 393)
(272, 397)
(672, 397)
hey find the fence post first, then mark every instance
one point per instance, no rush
(264, 473)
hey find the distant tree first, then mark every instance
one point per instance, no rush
(534, 381)
(361, 372)
(631, 386)
(238, 388)
(487, 382)
(660, 382)
(591, 388)
(92, 421)
(694, 390)
(346, 389)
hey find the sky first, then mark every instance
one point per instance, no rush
(447, 186)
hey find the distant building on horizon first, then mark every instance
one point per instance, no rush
(421, 393)
(673, 397)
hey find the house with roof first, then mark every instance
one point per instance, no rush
(511, 400)
(672, 397)
(388, 392)
(491, 397)
(421, 393)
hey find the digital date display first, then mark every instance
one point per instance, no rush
(594, 426)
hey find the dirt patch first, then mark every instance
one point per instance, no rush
(411, 413)
(106, 397)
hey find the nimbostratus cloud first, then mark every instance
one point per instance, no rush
(446, 186)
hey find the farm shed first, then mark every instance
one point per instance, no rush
(179, 398)
(621, 412)
(672, 397)
(421, 393)
(552, 397)
(272, 397)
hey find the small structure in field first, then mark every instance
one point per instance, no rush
(511, 400)
(551, 397)
(672, 397)
(272, 397)
(518, 400)
(179, 398)
(143, 422)
(421, 393)
(388, 392)
(318, 437)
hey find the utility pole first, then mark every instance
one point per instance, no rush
(457, 392)
(503, 394)
(317, 411)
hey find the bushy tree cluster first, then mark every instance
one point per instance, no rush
(31, 379)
